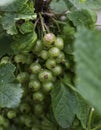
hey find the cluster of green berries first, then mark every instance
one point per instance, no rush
(37, 71)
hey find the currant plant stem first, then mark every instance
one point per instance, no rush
(90, 118)
(42, 23)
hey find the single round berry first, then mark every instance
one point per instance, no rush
(28, 121)
(23, 77)
(44, 54)
(20, 58)
(35, 68)
(48, 86)
(24, 108)
(38, 109)
(38, 97)
(57, 70)
(38, 47)
(61, 58)
(35, 85)
(49, 39)
(50, 63)
(54, 52)
(5, 60)
(59, 43)
(45, 75)
(11, 114)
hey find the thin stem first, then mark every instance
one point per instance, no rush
(97, 127)
(90, 118)
(42, 23)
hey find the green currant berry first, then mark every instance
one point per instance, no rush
(38, 96)
(50, 63)
(2, 120)
(48, 86)
(28, 121)
(44, 54)
(59, 43)
(45, 75)
(35, 85)
(5, 60)
(20, 58)
(25, 108)
(49, 39)
(38, 109)
(23, 77)
(35, 68)
(54, 52)
(38, 47)
(6, 124)
(61, 58)
(11, 114)
(57, 70)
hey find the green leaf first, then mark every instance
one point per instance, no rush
(87, 49)
(24, 43)
(87, 4)
(5, 44)
(83, 17)
(14, 6)
(82, 110)
(63, 104)
(9, 19)
(10, 92)
(58, 6)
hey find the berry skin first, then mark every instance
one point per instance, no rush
(61, 58)
(44, 54)
(45, 75)
(38, 47)
(23, 77)
(49, 39)
(50, 63)
(35, 68)
(54, 52)
(35, 85)
(57, 70)
(48, 86)
(59, 43)
(5, 60)
(38, 109)
(33, 77)
(38, 97)
(11, 114)
(25, 108)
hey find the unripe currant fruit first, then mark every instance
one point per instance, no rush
(35, 68)
(23, 77)
(61, 58)
(38, 109)
(50, 63)
(59, 43)
(35, 85)
(49, 39)
(28, 121)
(5, 60)
(25, 108)
(38, 47)
(44, 54)
(20, 58)
(11, 114)
(48, 86)
(45, 75)
(54, 52)
(38, 96)
(57, 70)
